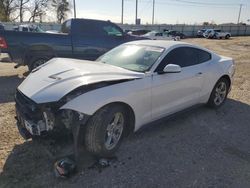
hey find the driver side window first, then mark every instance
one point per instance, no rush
(182, 56)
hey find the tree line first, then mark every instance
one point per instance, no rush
(34, 10)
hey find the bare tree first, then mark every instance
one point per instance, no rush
(37, 9)
(7, 8)
(62, 7)
(22, 4)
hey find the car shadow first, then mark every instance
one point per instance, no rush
(30, 164)
(8, 85)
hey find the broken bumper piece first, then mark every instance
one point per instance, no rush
(38, 120)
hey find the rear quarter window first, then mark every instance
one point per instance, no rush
(203, 56)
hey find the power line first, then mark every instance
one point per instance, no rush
(205, 3)
(193, 3)
(188, 3)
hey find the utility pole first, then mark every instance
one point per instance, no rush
(74, 8)
(122, 11)
(239, 14)
(136, 9)
(153, 15)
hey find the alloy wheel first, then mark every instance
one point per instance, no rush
(220, 93)
(114, 131)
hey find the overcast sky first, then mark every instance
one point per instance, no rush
(166, 11)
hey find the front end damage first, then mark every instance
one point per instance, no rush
(46, 119)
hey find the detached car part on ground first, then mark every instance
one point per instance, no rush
(129, 86)
(216, 34)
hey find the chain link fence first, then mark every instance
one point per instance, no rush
(188, 30)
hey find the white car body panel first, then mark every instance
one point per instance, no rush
(217, 34)
(222, 34)
(174, 92)
(134, 93)
(150, 95)
(60, 76)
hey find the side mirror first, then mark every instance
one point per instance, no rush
(172, 68)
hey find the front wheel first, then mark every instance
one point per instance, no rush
(219, 93)
(227, 36)
(105, 130)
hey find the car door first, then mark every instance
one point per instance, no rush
(172, 92)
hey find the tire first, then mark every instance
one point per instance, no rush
(99, 135)
(227, 36)
(219, 93)
(36, 62)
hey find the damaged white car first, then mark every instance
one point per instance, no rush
(131, 85)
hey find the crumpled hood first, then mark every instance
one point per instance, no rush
(59, 76)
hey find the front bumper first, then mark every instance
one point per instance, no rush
(42, 119)
(29, 116)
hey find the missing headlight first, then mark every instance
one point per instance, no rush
(69, 117)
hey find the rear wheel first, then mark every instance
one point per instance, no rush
(227, 36)
(219, 93)
(105, 130)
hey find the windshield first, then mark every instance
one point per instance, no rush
(132, 57)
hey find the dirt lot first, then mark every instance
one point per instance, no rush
(201, 148)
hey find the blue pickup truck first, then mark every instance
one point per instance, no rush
(79, 38)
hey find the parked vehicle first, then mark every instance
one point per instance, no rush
(1, 26)
(28, 28)
(155, 35)
(138, 32)
(216, 34)
(176, 33)
(131, 85)
(79, 38)
(201, 32)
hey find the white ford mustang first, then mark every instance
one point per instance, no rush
(129, 86)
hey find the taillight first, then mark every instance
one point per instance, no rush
(3, 43)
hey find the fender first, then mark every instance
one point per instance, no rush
(135, 93)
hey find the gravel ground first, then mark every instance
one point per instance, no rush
(199, 148)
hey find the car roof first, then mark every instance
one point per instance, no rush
(160, 43)
(167, 44)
